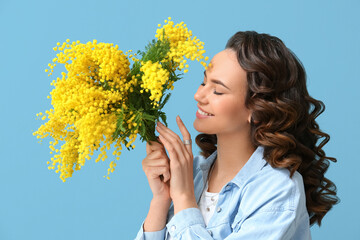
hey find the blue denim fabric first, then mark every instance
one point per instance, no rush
(260, 202)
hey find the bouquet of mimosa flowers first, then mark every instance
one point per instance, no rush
(102, 99)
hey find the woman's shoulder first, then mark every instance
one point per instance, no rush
(275, 190)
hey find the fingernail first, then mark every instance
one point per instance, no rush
(178, 117)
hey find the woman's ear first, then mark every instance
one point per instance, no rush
(249, 117)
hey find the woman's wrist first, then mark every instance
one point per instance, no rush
(163, 200)
(184, 203)
(156, 218)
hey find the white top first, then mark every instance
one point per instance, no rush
(207, 204)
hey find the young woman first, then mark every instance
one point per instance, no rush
(260, 173)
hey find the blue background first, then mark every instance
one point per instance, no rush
(36, 204)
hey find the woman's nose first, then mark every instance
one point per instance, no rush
(200, 95)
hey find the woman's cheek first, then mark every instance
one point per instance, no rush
(235, 112)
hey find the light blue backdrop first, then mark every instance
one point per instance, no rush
(36, 204)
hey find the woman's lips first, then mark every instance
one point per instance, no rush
(199, 115)
(204, 110)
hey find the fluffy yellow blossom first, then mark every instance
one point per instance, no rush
(83, 99)
(99, 101)
(182, 42)
(154, 79)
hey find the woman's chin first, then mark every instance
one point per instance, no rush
(201, 128)
(197, 125)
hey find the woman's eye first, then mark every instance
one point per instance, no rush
(215, 92)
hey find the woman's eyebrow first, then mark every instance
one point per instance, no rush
(217, 81)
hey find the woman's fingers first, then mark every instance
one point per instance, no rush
(156, 158)
(156, 163)
(155, 172)
(156, 168)
(173, 144)
(185, 133)
(166, 175)
(175, 150)
(153, 147)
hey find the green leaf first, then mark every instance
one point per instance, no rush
(166, 99)
(149, 117)
(163, 118)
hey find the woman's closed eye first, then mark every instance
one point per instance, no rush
(215, 92)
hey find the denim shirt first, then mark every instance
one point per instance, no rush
(260, 202)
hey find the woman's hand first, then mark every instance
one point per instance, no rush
(181, 166)
(155, 164)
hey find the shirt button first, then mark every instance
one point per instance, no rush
(218, 209)
(173, 227)
(210, 232)
(228, 187)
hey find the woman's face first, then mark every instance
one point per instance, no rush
(228, 111)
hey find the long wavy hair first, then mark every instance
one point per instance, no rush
(283, 117)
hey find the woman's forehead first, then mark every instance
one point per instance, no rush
(225, 67)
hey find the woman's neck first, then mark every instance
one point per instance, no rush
(233, 151)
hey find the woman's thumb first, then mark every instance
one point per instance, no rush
(148, 148)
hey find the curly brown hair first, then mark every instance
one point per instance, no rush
(283, 117)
